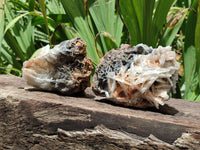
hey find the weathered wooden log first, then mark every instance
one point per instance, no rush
(32, 119)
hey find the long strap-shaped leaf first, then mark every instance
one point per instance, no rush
(43, 9)
(107, 23)
(23, 35)
(173, 27)
(144, 19)
(3, 53)
(1, 25)
(189, 58)
(12, 23)
(161, 11)
(14, 45)
(132, 12)
(197, 42)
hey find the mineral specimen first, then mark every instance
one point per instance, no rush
(65, 68)
(139, 76)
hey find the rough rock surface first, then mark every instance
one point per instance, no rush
(36, 120)
(139, 76)
(65, 68)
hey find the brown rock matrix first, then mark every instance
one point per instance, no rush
(65, 68)
(139, 76)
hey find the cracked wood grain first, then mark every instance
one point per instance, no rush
(31, 119)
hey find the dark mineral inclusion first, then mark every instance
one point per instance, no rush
(65, 68)
(137, 76)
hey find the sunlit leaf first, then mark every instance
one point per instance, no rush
(173, 27)
(55, 7)
(145, 19)
(189, 58)
(106, 21)
(63, 32)
(161, 11)
(19, 4)
(12, 42)
(197, 42)
(43, 9)
(1, 25)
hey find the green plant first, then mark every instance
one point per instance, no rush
(190, 55)
(23, 30)
(176, 17)
(197, 45)
(93, 24)
(144, 22)
(14, 49)
(97, 23)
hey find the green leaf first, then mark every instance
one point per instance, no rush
(35, 53)
(161, 11)
(9, 57)
(197, 42)
(184, 3)
(198, 98)
(108, 40)
(39, 20)
(31, 5)
(2, 21)
(19, 5)
(54, 7)
(132, 12)
(189, 58)
(41, 36)
(59, 18)
(174, 26)
(13, 22)
(16, 27)
(19, 36)
(144, 19)
(5, 54)
(106, 21)
(12, 42)
(29, 36)
(19, 72)
(43, 9)
(148, 9)
(63, 32)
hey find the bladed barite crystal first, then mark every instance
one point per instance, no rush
(65, 68)
(139, 76)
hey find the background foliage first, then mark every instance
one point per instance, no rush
(27, 25)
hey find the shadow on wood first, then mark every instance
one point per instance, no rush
(31, 119)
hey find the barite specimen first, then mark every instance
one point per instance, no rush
(65, 68)
(139, 76)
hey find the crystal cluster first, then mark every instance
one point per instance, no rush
(65, 68)
(139, 76)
